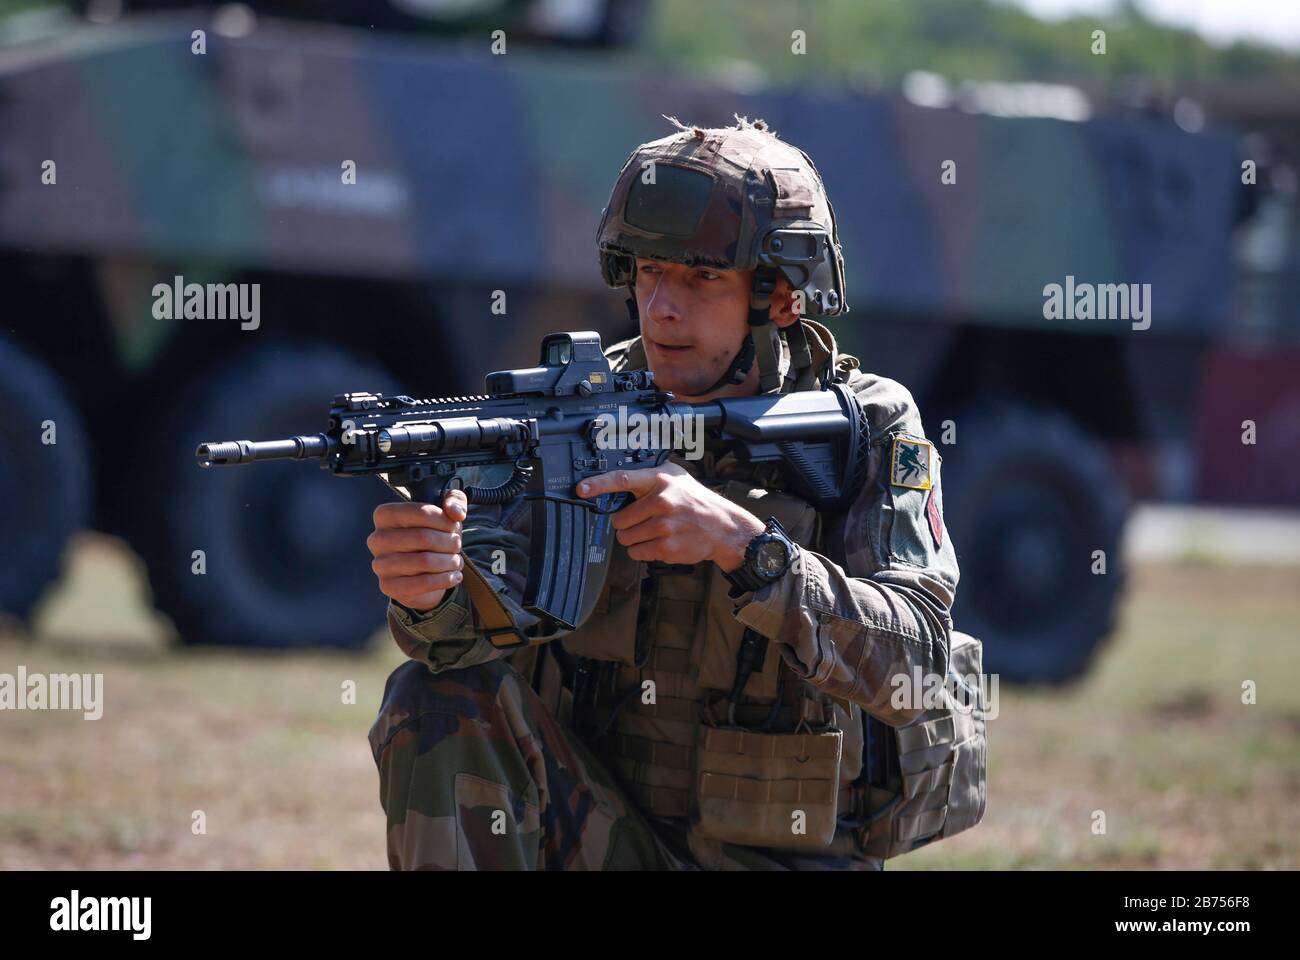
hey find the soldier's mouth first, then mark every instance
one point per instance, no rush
(669, 347)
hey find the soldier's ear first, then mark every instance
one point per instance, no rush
(784, 309)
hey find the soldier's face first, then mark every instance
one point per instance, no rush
(693, 321)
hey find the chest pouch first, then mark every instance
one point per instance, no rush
(767, 789)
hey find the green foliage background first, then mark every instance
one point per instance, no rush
(877, 42)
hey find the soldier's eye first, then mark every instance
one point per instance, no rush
(707, 275)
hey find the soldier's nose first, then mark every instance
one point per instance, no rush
(661, 306)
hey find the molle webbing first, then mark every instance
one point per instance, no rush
(679, 633)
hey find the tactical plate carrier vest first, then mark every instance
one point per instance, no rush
(701, 719)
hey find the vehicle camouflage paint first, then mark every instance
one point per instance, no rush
(468, 234)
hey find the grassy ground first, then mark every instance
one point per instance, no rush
(1156, 737)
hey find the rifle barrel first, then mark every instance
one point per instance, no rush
(228, 452)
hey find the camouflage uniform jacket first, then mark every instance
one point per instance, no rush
(847, 629)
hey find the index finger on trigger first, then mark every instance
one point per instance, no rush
(634, 481)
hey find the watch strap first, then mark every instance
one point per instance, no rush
(745, 578)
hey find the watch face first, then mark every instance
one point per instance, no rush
(770, 558)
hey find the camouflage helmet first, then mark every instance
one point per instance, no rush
(735, 198)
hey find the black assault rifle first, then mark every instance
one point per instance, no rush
(554, 424)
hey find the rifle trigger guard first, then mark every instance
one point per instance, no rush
(618, 501)
(453, 482)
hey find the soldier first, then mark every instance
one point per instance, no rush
(711, 712)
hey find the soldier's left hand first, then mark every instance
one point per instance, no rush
(675, 518)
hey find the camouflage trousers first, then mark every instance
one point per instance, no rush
(476, 773)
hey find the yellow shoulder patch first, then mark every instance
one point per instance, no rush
(910, 463)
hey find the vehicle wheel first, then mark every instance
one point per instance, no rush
(1028, 498)
(44, 487)
(283, 542)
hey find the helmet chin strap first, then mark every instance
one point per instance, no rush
(763, 341)
(739, 368)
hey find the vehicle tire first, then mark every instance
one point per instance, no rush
(45, 490)
(1028, 498)
(283, 542)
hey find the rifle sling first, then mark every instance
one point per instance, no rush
(494, 618)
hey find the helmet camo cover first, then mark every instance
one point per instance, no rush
(735, 198)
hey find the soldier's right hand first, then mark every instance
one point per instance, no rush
(416, 547)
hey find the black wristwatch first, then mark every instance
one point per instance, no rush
(767, 559)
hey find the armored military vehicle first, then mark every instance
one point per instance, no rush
(412, 208)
